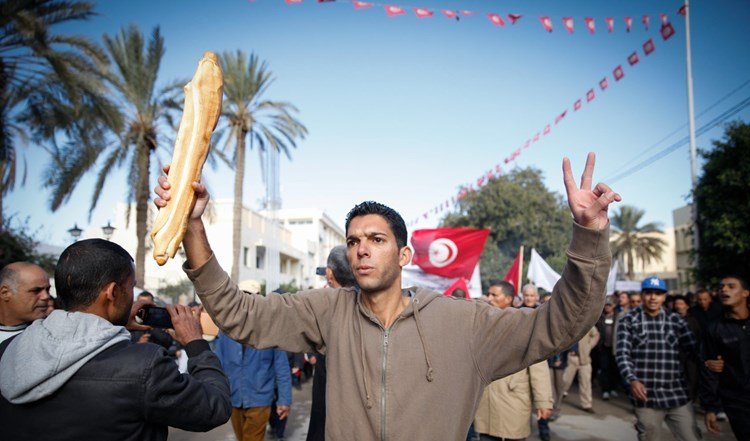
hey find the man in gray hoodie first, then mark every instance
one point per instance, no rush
(76, 375)
(408, 364)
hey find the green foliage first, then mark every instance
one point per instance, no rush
(519, 210)
(723, 198)
(632, 241)
(174, 291)
(18, 245)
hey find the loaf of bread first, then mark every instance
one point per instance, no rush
(203, 95)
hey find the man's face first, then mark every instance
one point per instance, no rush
(609, 308)
(732, 293)
(653, 300)
(30, 300)
(681, 307)
(498, 299)
(636, 300)
(704, 300)
(373, 254)
(623, 300)
(124, 301)
(530, 297)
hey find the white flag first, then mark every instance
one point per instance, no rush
(412, 275)
(612, 277)
(541, 274)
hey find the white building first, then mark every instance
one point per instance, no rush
(282, 251)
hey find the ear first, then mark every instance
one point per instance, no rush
(404, 256)
(109, 292)
(5, 293)
(329, 277)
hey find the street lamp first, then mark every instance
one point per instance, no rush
(75, 232)
(108, 230)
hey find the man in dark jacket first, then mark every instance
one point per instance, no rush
(76, 375)
(726, 381)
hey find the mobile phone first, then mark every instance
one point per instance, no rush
(155, 316)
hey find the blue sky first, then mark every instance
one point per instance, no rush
(405, 110)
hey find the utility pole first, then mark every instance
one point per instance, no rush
(691, 129)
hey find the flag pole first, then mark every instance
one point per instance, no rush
(520, 268)
(691, 129)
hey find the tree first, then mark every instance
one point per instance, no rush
(249, 115)
(138, 132)
(634, 242)
(519, 210)
(46, 79)
(17, 244)
(724, 207)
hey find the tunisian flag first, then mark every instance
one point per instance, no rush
(448, 252)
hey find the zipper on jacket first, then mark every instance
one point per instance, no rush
(382, 384)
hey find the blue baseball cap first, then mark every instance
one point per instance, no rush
(654, 284)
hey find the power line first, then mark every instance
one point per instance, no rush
(662, 153)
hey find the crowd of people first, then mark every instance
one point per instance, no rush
(403, 363)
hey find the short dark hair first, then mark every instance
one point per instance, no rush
(145, 293)
(9, 277)
(339, 265)
(507, 288)
(86, 267)
(742, 279)
(395, 221)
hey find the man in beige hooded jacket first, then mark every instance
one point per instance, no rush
(396, 373)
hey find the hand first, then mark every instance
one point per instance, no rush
(711, 423)
(144, 338)
(295, 369)
(543, 414)
(132, 324)
(638, 390)
(716, 366)
(312, 360)
(589, 207)
(186, 322)
(163, 195)
(282, 411)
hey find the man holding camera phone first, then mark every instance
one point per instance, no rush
(76, 375)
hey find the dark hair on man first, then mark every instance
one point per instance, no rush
(339, 265)
(395, 221)
(742, 279)
(505, 287)
(146, 294)
(86, 267)
(677, 297)
(9, 277)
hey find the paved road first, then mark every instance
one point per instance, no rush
(613, 421)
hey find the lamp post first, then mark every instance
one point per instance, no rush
(75, 232)
(108, 230)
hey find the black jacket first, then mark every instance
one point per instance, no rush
(127, 392)
(731, 339)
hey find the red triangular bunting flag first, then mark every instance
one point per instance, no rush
(610, 24)
(422, 12)
(577, 105)
(289, 2)
(633, 59)
(393, 11)
(547, 129)
(536, 137)
(467, 13)
(618, 73)
(628, 23)
(590, 95)
(459, 284)
(683, 10)
(326, 1)
(648, 46)
(604, 83)
(546, 22)
(664, 19)
(361, 5)
(667, 31)
(450, 14)
(590, 24)
(496, 19)
(498, 169)
(513, 276)
(568, 23)
(645, 21)
(560, 116)
(514, 18)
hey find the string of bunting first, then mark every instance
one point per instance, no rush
(495, 18)
(618, 73)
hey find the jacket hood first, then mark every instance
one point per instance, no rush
(49, 352)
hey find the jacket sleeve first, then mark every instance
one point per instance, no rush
(708, 385)
(541, 386)
(283, 377)
(624, 348)
(293, 322)
(594, 333)
(530, 336)
(196, 402)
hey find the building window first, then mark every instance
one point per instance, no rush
(260, 257)
(246, 256)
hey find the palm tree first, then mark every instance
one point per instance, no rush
(144, 111)
(248, 115)
(45, 78)
(635, 242)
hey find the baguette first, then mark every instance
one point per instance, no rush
(202, 107)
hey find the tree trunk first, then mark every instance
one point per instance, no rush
(141, 212)
(239, 177)
(631, 273)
